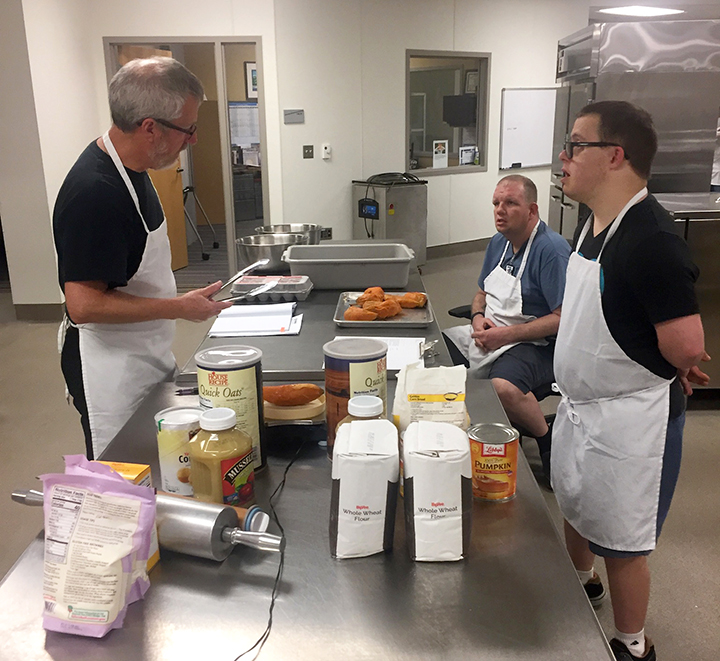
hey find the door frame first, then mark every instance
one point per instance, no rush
(111, 66)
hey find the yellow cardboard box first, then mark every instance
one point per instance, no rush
(139, 474)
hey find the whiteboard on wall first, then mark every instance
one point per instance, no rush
(527, 121)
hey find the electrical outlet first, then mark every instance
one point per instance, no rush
(326, 233)
(308, 151)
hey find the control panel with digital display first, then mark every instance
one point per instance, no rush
(368, 208)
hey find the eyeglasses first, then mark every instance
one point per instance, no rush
(569, 146)
(190, 131)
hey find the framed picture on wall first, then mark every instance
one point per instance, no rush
(471, 81)
(251, 83)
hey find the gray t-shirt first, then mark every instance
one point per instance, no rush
(543, 281)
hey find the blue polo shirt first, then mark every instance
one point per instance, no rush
(543, 281)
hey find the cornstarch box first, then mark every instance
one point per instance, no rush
(138, 474)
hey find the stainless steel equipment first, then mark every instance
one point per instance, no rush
(402, 211)
(698, 217)
(670, 68)
(241, 273)
(311, 230)
(205, 530)
(267, 246)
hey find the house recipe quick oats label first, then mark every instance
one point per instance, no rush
(231, 376)
(370, 378)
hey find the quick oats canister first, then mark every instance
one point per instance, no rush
(175, 427)
(494, 454)
(231, 376)
(353, 366)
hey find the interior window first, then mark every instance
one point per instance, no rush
(447, 111)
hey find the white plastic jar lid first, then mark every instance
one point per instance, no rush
(178, 418)
(365, 406)
(218, 419)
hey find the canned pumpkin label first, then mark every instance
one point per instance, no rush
(494, 470)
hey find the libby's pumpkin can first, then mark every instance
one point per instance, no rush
(494, 455)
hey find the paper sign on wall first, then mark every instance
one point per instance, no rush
(440, 153)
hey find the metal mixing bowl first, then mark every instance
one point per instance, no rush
(311, 230)
(271, 246)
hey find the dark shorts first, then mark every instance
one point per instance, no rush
(668, 481)
(526, 366)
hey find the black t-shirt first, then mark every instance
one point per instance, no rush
(647, 277)
(99, 234)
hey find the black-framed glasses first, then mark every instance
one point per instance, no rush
(190, 131)
(570, 145)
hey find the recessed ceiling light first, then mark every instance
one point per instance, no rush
(636, 10)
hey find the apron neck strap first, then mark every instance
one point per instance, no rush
(615, 224)
(124, 175)
(525, 254)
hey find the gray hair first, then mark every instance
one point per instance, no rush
(155, 87)
(529, 187)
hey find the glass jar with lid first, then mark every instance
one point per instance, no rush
(363, 407)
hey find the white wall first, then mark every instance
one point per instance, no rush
(343, 61)
(520, 35)
(319, 66)
(67, 85)
(23, 195)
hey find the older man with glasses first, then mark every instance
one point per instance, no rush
(114, 254)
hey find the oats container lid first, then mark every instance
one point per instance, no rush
(355, 348)
(228, 357)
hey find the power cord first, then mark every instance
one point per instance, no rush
(260, 642)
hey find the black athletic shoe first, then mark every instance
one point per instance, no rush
(595, 591)
(622, 653)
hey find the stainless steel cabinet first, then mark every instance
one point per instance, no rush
(698, 215)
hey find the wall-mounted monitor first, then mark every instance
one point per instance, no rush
(460, 110)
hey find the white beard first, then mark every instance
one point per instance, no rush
(162, 159)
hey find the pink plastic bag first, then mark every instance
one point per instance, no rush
(97, 541)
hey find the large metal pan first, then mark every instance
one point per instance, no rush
(267, 246)
(311, 230)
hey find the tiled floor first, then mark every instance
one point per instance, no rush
(38, 427)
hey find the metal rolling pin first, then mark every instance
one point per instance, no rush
(206, 530)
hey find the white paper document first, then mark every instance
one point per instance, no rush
(257, 320)
(401, 350)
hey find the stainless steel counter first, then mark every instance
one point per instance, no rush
(301, 357)
(515, 597)
(691, 205)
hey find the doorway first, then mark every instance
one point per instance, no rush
(218, 190)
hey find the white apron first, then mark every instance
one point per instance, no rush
(609, 434)
(121, 363)
(503, 306)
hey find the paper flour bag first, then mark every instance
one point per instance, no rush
(438, 491)
(364, 488)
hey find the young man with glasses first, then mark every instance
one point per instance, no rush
(114, 254)
(629, 341)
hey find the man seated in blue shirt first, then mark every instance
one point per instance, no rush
(516, 311)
